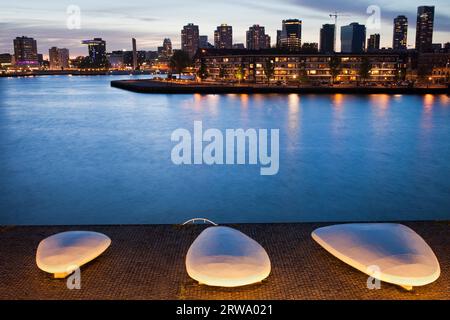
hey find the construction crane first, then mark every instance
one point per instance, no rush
(335, 15)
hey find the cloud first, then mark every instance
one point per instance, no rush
(50, 36)
(358, 8)
(150, 24)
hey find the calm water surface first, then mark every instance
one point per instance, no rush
(75, 151)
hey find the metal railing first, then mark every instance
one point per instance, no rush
(204, 220)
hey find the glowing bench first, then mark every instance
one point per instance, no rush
(225, 257)
(63, 253)
(396, 253)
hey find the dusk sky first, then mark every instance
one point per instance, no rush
(150, 21)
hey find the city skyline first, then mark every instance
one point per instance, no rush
(46, 22)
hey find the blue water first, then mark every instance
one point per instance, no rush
(75, 151)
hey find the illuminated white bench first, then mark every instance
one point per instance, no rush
(386, 251)
(63, 253)
(225, 257)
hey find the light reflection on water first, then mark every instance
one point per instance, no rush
(75, 151)
(294, 110)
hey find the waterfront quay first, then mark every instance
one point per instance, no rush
(75, 72)
(148, 262)
(192, 87)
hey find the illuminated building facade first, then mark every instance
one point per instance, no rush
(291, 67)
(257, 38)
(291, 35)
(58, 58)
(400, 37)
(97, 52)
(25, 51)
(223, 37)
(424, 28)
(190, 39)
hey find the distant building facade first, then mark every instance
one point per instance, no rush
(257, 38)
(373, 43)
(190, 39)
(424, 28)
(43, 63)
(291, 35)
(400, 36)
(58, 58)
(223, 37)
(353, 38)
(278, 43)
(310, 47)
(167, 50)
(97, 52)
(203, 42)
(116, 59)
(25, 51)
(327, 38)
(129, 61)
(163, 53)
(5, 60)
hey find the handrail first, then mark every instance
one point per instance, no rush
(200, 219)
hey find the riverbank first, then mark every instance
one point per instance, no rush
(39, 73)
(184, 87)
(147, 262)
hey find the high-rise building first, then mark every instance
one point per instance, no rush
(190, 39)
(203, 42)
(268, 41)
(327, 38)
(291, 35)
(53, 58)
(424, 28)
(164, 53)
(135, 60)
(97, 52)
(167, 50)
(25, 51)
(353, 38)
(373, 43)
(42, 63)
(257, 38)
(223, 37)
(278, 44)
(400, 38)
(58, 58)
